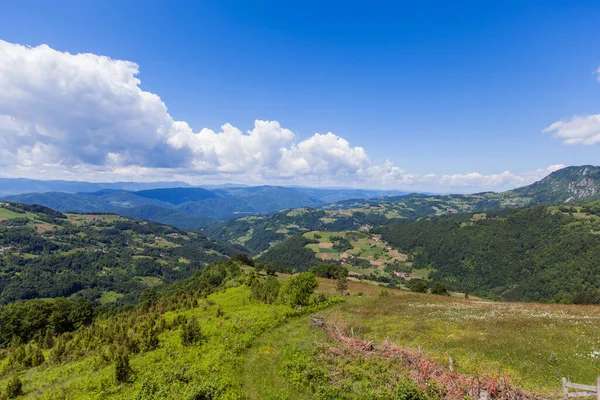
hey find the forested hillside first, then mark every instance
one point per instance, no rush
(571, 185)
(103, 257)
(259, 233)
(532, 254)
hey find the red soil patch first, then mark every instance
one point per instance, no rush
(3, 219)
(326, 256)
(93, 218)
(325, 245)
(454, 385)
(397, 255)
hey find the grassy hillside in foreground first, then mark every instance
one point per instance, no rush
(531, 254)
(533, 346)
(251, 350)
(46, 254)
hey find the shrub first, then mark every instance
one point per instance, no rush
(341, 285)
(36, 356)
(384, 293)
(331, 271)
(296, 291)
(243, 258)
(265, 290)
(191, 333)
(439, 289)
(14, 388)
(590, 297)
(123, 370)
(408, 390)
(418, 287)
(149, 338)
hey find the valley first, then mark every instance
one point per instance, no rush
(410, 292)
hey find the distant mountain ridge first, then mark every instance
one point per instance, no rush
(570, 185)
(13, 186)
(191, 208)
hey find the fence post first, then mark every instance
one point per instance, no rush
(598, 388)
(565, 389)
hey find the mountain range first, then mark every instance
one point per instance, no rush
(571, 185)
(192, 207)
(11, 186)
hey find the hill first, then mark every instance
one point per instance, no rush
(568, 185)
(571, 185)
(258, 233)
(103, 257)
(532, 254)
(190, 208)
(210, 337)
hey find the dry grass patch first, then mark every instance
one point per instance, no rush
(533, 345)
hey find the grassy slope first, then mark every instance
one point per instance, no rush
(248, 344)
(172, 371)
(515, 340)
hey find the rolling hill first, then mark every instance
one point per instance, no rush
(571, 185)
(103, 257)
(537, 253)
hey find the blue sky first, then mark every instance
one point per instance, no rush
(436, 88)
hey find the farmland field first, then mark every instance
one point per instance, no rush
(370, 248)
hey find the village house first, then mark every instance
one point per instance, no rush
(404, 275)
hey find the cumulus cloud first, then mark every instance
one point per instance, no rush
(85, 116)
(584, 130)
(579, 129)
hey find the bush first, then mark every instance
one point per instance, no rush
(590, 297)
(297, 290)
(14, 388)
(384, 293)
(123, 370)
(330, 271)
(418, 287)
(266, 290)
(243, 258)
(408, 390)
(439, 289)
(191, 333)
(341, 285)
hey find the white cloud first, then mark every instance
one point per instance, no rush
(85, 117)
(583, 130)
(580, 129)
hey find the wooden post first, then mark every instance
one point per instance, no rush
(598, 388)
(451, 365)
(565, 389)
